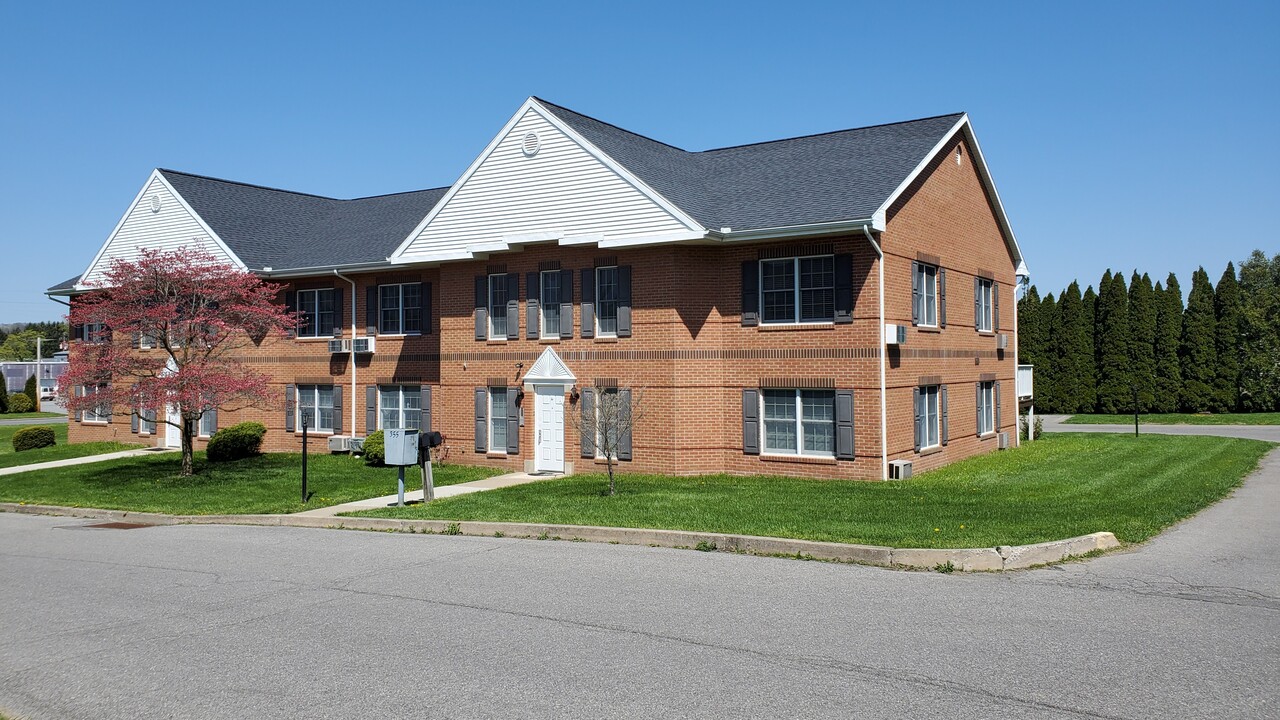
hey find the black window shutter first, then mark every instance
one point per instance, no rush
(942, 420)
(291, 307)
(750, 422)
(844, 289)
(135, 341)
(916, 296)
(290, 402)
(427, 302)
(371, 310)
(424, 402)
(532, 321)
(977, 303)
(79, 392)
(482, 307)
(370, 409)
(482, 411)
(513, 422)
(588, 307)
(513, 306)
(624, 440)
(942, 297)
(566, 303)
(337, 312)
(844, 424)
(588, 424)
(995, 306)
(133, 422)
(624, 301)
(750, 293)
(917, 399)
(337, 410)
(977, 404)
(997, 393)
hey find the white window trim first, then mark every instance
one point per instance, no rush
(937, 416)
(987, 409)
(493, 335)
(400, 291)
(929, 283)
(146, 341)
(795, 292)
(143, 422)
(200, 433)
(599, 332)
(800, 451)
(503, 450)
(543, 330)
(400, 389)
(97, 418)
(298, 410)
(986, 288)
(315, 310)
(89, 330)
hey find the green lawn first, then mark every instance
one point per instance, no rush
(1179, 419)
(1061, 486)
(28, 415)
(270, 483)
(61, 451)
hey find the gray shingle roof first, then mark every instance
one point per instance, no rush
(65, 285)
(843, 175)
(279, 229)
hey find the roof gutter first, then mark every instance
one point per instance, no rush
(884, 405)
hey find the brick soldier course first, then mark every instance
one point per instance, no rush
(694, 346)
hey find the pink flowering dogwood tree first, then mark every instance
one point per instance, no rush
(198, 314)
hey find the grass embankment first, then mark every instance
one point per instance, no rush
(29, 415)
(61, 451)
(269, 483)
(1061, 486)
(1178, 419)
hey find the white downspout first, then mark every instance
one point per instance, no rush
(884, 404)
(1017, 398)
(353, 350)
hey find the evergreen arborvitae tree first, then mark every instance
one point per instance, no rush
(4, 395)
(31, 388)
(1046, 373)
(1227, 319)
(1260, 322)
(1089, 306)
(1142, 340)
(1115, 384)
(1168, 338)
(1074, 350)
(1031, 331)
(1198, 351)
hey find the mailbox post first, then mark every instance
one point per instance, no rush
(401, 447)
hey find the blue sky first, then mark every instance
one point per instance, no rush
(1120, 134)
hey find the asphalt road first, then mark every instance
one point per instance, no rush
(241, 622)
(1054, 423)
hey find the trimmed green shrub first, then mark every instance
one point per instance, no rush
(21, 403)
(375, 450)
(236, 442)
(30, 438)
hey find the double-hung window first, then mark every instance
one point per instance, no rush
(986, 408)
(930, 435)
(401, 309)
(549, 302)
(798, 289)
(209, 421)
(927, 282)
(147, 421)
(400, 407)
(498, 419)
(315, 407)
(609, 421)
(800, 422)
(607, 297)
(95, 332)
(983, 304)
(315, 313)
(100, 412)
(498, 306)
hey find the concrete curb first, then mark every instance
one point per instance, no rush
(1006, 557)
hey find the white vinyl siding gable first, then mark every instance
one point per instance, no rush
(171, 228)
(562, 189)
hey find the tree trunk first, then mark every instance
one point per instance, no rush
(188, 448)
(608, 463)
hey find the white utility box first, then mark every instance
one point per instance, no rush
(401, 447)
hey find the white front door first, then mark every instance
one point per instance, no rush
(549, 429)
(172, 434)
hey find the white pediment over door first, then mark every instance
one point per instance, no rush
(539, 181)
(549, 369)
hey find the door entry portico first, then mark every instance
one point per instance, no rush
(548, 381)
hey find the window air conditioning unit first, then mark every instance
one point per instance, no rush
(1002, 441)
(895, 334)
(339, 443)
(900, 470)
(339, 346)
(1002, 341)
(364, 344)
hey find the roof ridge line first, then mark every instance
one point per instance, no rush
(615, 127)
(402, 192)
(828, 132)
(290, 192)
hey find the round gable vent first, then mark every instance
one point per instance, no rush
(155, 203)
(530, 144)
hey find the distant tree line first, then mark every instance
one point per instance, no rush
(18, 341)
(1219, 353)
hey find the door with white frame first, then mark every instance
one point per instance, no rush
(172, 431)
(549, 428)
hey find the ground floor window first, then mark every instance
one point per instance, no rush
(930, 415)
(498, 419)
(100, 412)
(986, 407)
(147, 421)
(800, 422)
(208, 424)
(400, 406)
(315, 407)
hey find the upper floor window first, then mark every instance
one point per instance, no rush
(607, 296)
(315, 407)
(983, 303)
(95, 332)
(925, 295)
(316, 316)
(401, 309)
(400, 407)
(798, 289)
(800, 422)
(549, 302)
(498, 306)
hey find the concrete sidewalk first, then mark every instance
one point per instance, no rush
(1054, 423)
(83, 460)
(493, 483)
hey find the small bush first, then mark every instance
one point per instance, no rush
(30, 438)
(375, 450)
(1022, 427)
(236, 442)
(21, 403)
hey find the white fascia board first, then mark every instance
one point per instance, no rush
(431, 257)
(789, 231)
(157, 175)
(532, 237)
(990, 184)
(642, 240)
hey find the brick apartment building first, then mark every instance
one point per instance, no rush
(819, 306)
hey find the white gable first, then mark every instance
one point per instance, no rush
(159, 219)
(549, 369)
(539, 181)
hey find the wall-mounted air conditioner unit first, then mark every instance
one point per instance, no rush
(895, 334)
(364, 344)
(1002, 441)
(900, 470)
(1002, 341)
(339, 443)
(339, 346)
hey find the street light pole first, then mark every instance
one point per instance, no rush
(39, 378)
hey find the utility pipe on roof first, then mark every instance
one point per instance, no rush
(884, 406)
(352, 401)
